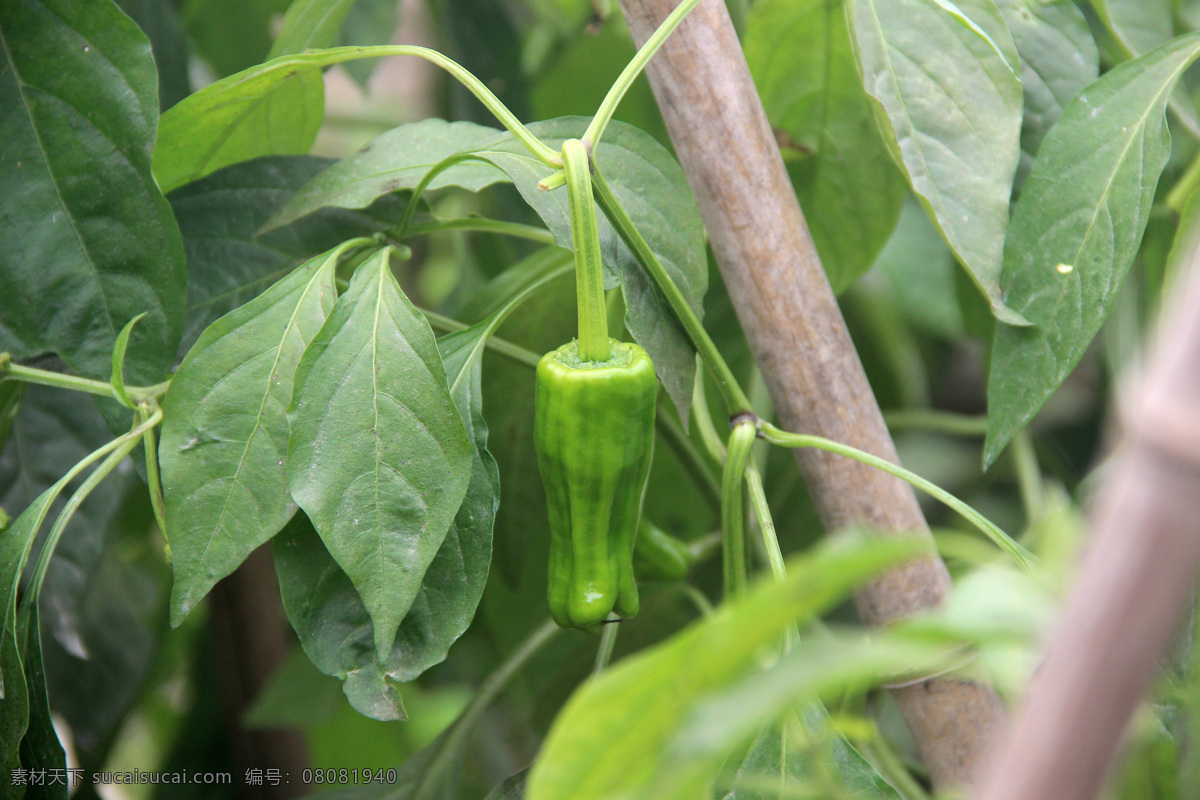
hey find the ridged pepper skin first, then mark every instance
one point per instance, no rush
(594, 436)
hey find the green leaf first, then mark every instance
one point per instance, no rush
(325, 608)
(369, 23)
(378, 457)
(805, 750)
(219, 217)
(89, 240)
(162, 25)
(634, 713)
(511, 788)
(800, 55)
(15, 547)
(225, 430)
(40, 748)
(1076, 229)
(393, 161)
(948, 98)
(270, 109)
(309, 25)
(118, 362)
(231, 35)
(1136, 27)
(14, 703)
(920, 273)
(1058, 59)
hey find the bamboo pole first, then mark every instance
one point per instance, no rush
(800, 342)
(1136, 578)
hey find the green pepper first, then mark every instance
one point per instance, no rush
(594, 434)
(657, 555)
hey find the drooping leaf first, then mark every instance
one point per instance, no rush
(393, 161)
(1075, 231)
(219, 217)
(1058, 59)
(225, 430)
(634, 713)
(378, 457)
(309, 25)
(943, 78)
(848, 186)
(85, 224)
(325, 608)
(40, 747)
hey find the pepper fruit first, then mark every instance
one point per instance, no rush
(594, 435)
(657, 555)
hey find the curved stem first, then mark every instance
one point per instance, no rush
(733, 517)
(758, 501)
(1002, 539)
(484, 225)
(735, 399)
(475, 86)
(589, 267)
(634, 68)
(117, 449)
(704, 424)
(410, 208)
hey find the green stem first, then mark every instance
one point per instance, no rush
(494, 343)
(608, 640)
(484, 225)
(698, 599)
(609, 105)
(155, 481)
(930, 419)
(1029, 476)
(893, 769)
(120, 447)
(733, 516)
(400, 230)
(589, 267)
(476, 87)
(487, 693)
(58, 380)
(690, 459)
(735, 400)
(703, 420)
(758, 501)
(1002, 539)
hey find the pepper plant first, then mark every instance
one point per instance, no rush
(333, 361)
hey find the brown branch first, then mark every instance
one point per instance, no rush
(800, 341)
(1135, 579)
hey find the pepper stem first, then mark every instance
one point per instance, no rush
(589, 269)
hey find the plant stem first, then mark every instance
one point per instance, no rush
(488, 691)
(758, 501)
(483, 225)
(1002, 539)
(690, 459)
(733, 517)
(634, 68)
(1029, 476)
(931, 419)
(59, 380)
(894, 770)
(589, 267)
(735, 400)
(400, 230)
(155, 481)
(704, 424)
(608, 640)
